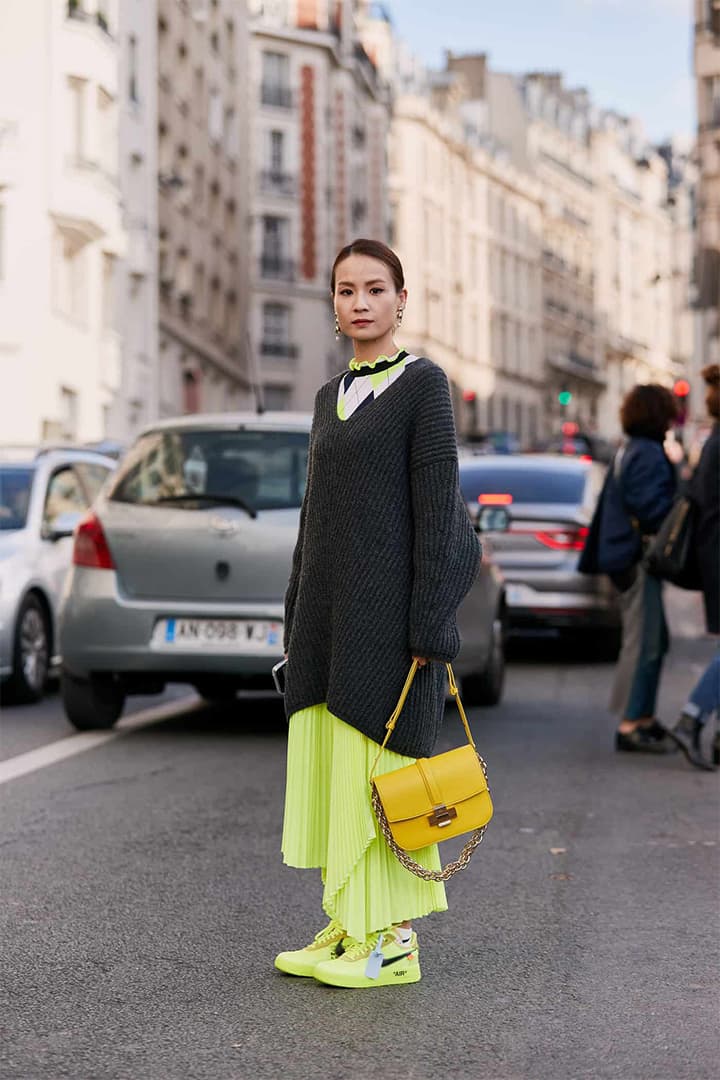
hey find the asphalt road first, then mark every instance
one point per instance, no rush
(143, 898)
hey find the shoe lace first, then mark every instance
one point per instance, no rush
(330, 933)
(359, 949)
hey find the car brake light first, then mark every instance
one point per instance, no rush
(585, 457)
(495, 500)
(563, 539)
(91, 547)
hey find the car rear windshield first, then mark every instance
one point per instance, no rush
(15, 488)
(531, 485)
(266, 470)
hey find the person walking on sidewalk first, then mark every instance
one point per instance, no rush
(638, 492)
(704, 490)
(385, 554)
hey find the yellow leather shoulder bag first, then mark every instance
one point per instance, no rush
(434, 799)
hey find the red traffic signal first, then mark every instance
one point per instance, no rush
(681, 388)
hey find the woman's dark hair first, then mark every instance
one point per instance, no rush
(648, 410)
(711, 375)
(375, 249)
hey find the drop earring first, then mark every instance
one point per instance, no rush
(337, 328)
(399, 314)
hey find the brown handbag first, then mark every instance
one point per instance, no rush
(433, 799)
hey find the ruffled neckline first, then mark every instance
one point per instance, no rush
(358, 365)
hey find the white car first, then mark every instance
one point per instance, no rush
(43, 495)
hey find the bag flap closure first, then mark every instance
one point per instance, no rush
(457, 775)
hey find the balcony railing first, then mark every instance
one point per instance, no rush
(75, 10)
(281, 349)
(277, 268)
(281, 97)
(277, 183)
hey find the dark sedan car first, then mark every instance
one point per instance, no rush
(551, 500)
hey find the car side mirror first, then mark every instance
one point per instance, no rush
(62, 525)
(492, 519)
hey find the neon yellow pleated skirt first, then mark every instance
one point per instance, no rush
(329, 823)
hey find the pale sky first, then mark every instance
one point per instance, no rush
(634, 56)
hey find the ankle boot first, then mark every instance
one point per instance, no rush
(685, 733)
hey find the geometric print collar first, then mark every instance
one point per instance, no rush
(357, 391)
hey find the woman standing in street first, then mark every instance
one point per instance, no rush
(385, 554)
(638, 492)
(704, 490)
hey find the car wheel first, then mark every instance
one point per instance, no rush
(31, 652)
(91, 703)
(486, 687)
(604, 644)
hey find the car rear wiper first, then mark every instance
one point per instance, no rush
(206, 496)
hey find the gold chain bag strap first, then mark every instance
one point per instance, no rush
(434, 799)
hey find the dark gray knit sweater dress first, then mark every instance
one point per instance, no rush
(385, 554)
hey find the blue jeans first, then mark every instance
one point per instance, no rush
(706, 695)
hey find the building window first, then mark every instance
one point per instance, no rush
(712, 101)
(107, 301)
(274, 259)
(68, 412)
(277, 398)
(276, 328)
(107, 133)
(133, 69)
(191, 392)
(230, 133)
(69, 275)
(275, 88)
(76, 94)
(215, 116)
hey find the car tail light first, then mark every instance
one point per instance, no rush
(563, 539)
(91, 547)
(585, 457)
(495, 500)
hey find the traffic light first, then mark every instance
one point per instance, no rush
(681, 393)
(564, 397)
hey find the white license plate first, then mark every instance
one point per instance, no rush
(517, 595)
(218, 635)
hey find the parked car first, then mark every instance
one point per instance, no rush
(551, 500)
(180, 570)
(43, 495)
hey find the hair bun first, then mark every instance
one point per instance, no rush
(711, 374)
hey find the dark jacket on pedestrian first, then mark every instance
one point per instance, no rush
(704, 490)
(638, 492)
(385, 554)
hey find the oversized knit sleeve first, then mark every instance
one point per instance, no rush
(294, 582)
(446, 550)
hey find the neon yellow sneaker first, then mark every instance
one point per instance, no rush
(381, 960)
(324, 946)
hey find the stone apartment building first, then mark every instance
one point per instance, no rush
(707, 267)
(467, 228)
(317, 180)
(202, 64)
(62, 235)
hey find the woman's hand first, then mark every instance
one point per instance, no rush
(421, 661)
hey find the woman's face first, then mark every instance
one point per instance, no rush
(366, 300)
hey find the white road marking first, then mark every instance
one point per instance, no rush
(53, 752)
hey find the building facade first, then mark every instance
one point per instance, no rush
(134, 278)
(467, 228)
(62, 235)
(202, 64)
(318, 180)
(707, 275)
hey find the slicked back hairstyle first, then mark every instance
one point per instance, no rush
(648, 410)
(375, 249)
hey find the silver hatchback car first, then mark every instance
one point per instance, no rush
(43, 495)
(179, 572)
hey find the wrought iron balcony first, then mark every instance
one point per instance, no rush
(282, 349)
(281, 97)
(277, 268)
(275, 182)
